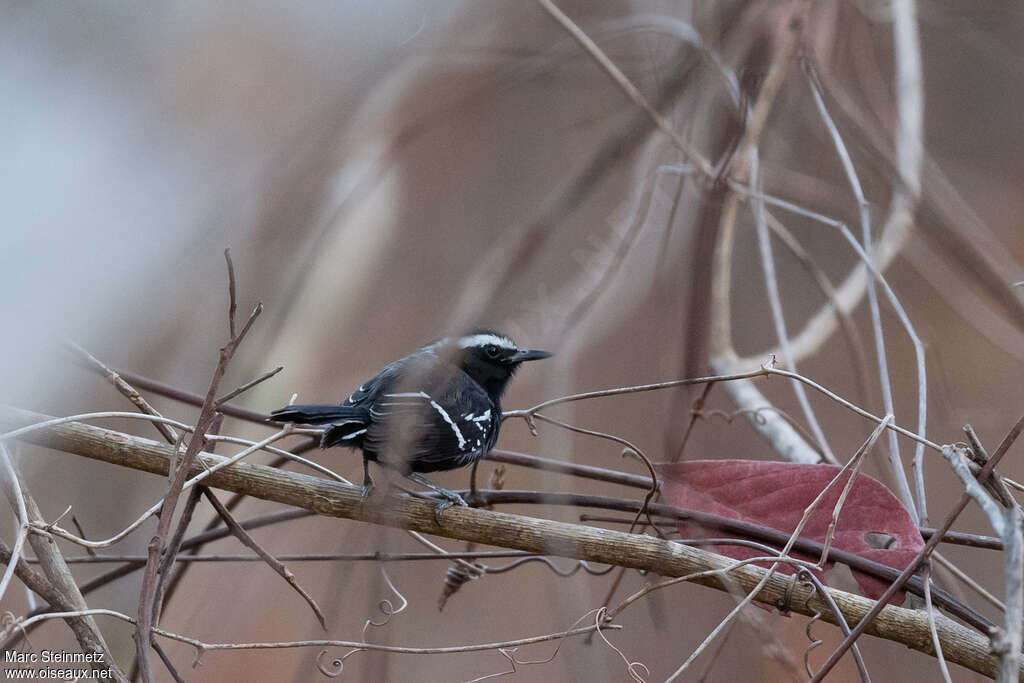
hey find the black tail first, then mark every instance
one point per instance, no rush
(347, 423)
(317, 415)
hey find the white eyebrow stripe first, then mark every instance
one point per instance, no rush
(483, 339)
(408, 394)
(447, 418)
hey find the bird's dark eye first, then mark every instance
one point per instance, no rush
(491, 350)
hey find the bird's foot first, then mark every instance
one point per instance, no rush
(449, 498)
(366, 491)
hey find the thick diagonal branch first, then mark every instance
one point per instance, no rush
(910, 627)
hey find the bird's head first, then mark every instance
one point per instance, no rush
(489, 357)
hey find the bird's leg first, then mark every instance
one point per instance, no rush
(367, 480)
(450, 497)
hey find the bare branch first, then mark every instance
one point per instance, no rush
(13, 489)
(148, 611)
(247, 540)
(232, 300)
(961, 645)
(248, 385)
(865, 623)
(127, 390)
(778, 315)
(97, 442)
(63, 583)
(918, 509)
(631, 91)
(202, 646)
(1007, 523)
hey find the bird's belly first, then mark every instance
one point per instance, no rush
(440, 465)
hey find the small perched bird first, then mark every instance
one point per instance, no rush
(438, 408)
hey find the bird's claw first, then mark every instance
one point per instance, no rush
(447, 502)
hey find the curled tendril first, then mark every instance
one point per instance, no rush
(385, 606)
(728, 416)
(804, 577)
(9, 621)
(755, 414)
(638, 671)
(460, 574)
(337, 665)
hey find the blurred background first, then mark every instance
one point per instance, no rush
(388, 173)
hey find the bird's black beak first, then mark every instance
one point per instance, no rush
(528, 354)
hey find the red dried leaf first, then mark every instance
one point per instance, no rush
(775, 494)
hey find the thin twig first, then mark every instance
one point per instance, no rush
(167, 662)
(190, 398)
(247, 540)
(929, 547)
(232, 300)
(167, 568)
(926, 576)
(784, 440)
(784, 554)
(618, 391)
(915, 508)
(569, 468)
(620, 79)
(862, 668)
(857, 409)
(46, 591)
(127, 390)
(695, 414)
(147, 611)
(202, 646)
(33, 579)
(854, 466)
(303, 557)
(950, 537)
(624, 442)
(65, 590)
(978, 457)
(52, 528)
(828, 290)
(775, 304)
(13, 487)
(248, 385)
(288, 455)
(756, 415)
(1007, 523)
(968, 581)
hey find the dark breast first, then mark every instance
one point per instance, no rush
(426, 415)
